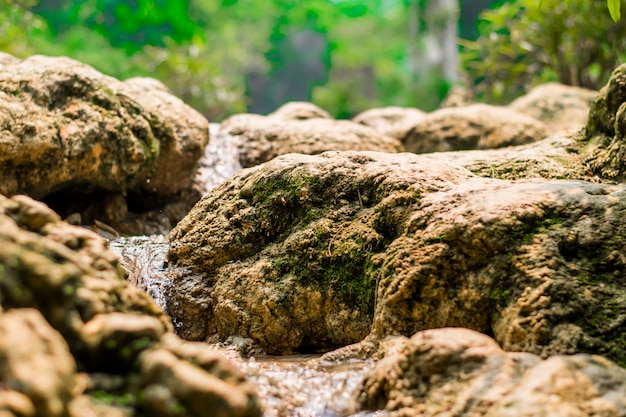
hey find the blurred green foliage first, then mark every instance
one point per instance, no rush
(350, 55)
(523, 43)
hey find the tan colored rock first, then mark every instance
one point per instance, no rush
(561, 107)
(64, 271)
(458, 372)
(194, 379)
(261, 138)
(478, 126)
(391, 121)
(37, 371)
(83, 141)
(299, 110)
(457, 96)
(286, 253)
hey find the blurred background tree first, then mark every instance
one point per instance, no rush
(230, 56)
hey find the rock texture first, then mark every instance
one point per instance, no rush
(287, 253)
(111, 331)
(478, 126)
(605, 131)
(300, 110)
(391, 121)
(561, 107)
(402, 243)
(261, 138)
(458, 372)
(71, 135)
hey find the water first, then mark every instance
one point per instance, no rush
(290, 386)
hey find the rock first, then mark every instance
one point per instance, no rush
(290, 253)
(536, 263)
(7, 59)
(191, 378)
(478, 126)
(560, 107)
(605, 131)
(287, 253)
(261, 138)
(460, 372)
(112, 331)
(64, 271)
(391, 121)
(457, 96)
(37, 371)
(74, 138)
(146, 84)
(556, 157)
(299, 110)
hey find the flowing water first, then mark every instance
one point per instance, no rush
(290, 386)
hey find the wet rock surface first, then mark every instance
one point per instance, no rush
(459, 372)
(78, 138)
(261, 138)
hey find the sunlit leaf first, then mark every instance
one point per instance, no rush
(614, 9)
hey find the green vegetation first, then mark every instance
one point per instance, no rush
(527, 42)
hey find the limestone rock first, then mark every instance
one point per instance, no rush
(299, 110)
(605, 131)
(459, 372)
(457, 96)
(261, 138)
(391, 121)
(64, 271)
(561, 107)
(73, 136)
(308, 252)
(37, 371)
(110, 328)
(478, 126)
(287, 253)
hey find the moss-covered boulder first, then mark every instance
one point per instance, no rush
(311, 252)
(288, 253)
(605, 132)
(111, 332)
(79, 139)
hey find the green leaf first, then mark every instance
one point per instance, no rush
(614, 9)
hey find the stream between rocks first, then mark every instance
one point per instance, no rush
(299, 386)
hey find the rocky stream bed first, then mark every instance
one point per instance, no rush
(466, 262)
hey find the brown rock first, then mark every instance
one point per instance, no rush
(561, 107)
(391, 121)
(459, 372)
(77, 138)
(36, 368)
(287, 253)
(261, 138)
(299, 110)
(478, 126)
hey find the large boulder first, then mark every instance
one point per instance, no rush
(311, 252)
(300, 110)
(287, 253)
(459, 372)
(261, 138)
(116, 335)
(477, 126)
(72, 135)
(391, 121)
(561, 107)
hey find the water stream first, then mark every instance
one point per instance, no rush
(291, 386)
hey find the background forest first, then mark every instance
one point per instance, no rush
(231, 56)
